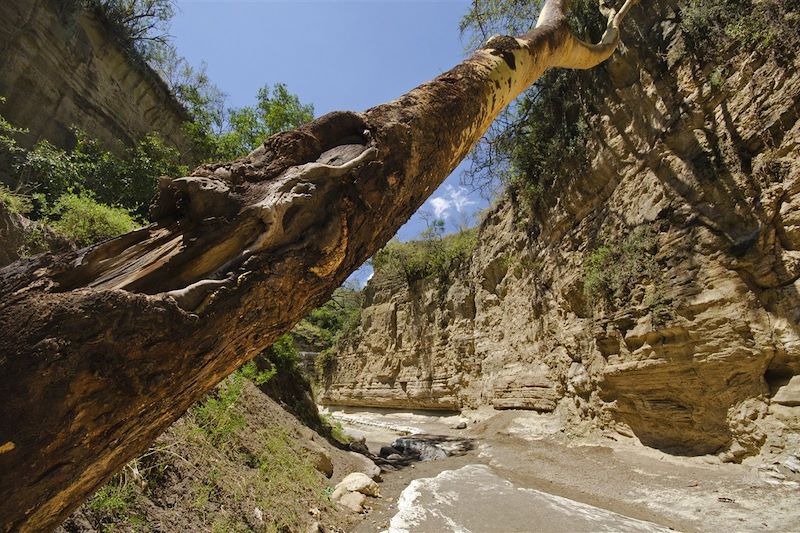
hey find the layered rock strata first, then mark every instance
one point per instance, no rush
(698, 177)
(62, 66)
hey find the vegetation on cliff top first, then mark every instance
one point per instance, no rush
(435, 254)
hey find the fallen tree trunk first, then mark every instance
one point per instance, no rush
(103, 348)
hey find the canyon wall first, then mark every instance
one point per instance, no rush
(61, 65)
(692, 198)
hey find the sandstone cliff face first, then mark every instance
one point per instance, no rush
(699, 184)
(60, 67)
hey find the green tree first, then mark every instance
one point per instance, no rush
(276, 110)
(145, 23)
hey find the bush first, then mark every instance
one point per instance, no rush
(85, 221)
(612, 270)
(16, 203)
(47, 170)
(130, 181)
(432, 256)
(338, 317)
(282, 354)
(714, 27)
(325, 364)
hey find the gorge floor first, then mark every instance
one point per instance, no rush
(524, 474)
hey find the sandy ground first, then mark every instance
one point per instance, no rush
(521, 460)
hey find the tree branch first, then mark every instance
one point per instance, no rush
(103, 348)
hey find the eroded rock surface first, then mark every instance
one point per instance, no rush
(698, 354)
(62, 66)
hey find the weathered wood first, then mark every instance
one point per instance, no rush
(103, 348)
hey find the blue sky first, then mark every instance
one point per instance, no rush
(336, 55)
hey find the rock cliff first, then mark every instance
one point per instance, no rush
(61, 66)
(688, 219)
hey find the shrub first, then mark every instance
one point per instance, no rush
(432, 256)
(713, 27)
(9, 150)
(337, 318)
(16, 203)
(46, 170)
(130, 181)
(49, 172)
(85, 221)
(282, 354)
(612, 270)
(325, 364)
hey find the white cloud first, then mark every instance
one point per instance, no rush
(440, 206)
(454, 198)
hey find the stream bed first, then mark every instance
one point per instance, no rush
(459, 489)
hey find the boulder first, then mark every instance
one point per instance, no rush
(367, 466)
(321, 459)
(353, 501)
(358, 482)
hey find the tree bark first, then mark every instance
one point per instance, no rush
(103, 348)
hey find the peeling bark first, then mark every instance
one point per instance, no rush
(103, 348)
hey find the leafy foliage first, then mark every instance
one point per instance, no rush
(433, 255)
(217, 416)
(324, 326)
(282, 355)
(544, 131)
(713, 27)
(130, 181)
(143, 23)
(46, 173)
(492, 17)
(46, 170)
(15, 203)
(85, 221)
(612, 270)
(221, 136)
(325, 364)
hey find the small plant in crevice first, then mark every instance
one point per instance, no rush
(615, 268)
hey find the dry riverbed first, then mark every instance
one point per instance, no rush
(524, 473)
